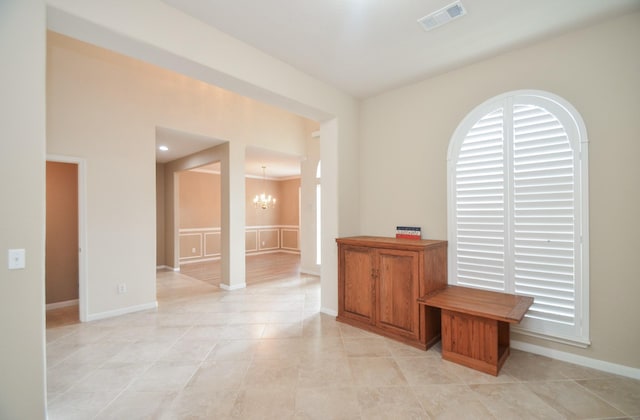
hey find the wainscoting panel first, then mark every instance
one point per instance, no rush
(289, 239)
(258, 239)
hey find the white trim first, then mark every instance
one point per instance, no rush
(234, 287)
(310, 272)
(602, 365)
(176, 269)
(163, 267)
(123, 311)
(185, 262)
(328, 311)
(276, 230)
(578, 138)
(83, 252)
(570, 341)
(204, 243)
(188, 230)
(63, 304)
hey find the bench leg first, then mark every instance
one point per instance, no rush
(475, 342)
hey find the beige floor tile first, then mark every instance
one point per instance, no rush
(141, 352)
(110, 377)
(532, 367)
(513, 401)
(201, 403)
(622, 393)
(234, 350)
(242, 332)
(366, 347)
(315, 348)
(318, 326)
(248, 318)
(79, 405)
(266, 352)
(389, 403)
(269, 372)
(220, 374)
(64, 375)
(289, 348)
(285, 330)
(265, 403)
(189, 350)
(165, 377)
(333, 403)
(204, 332)
(451, 402)
(138, 405)
(572, 400)
(427, 370)
(376, 371)
(324, 373)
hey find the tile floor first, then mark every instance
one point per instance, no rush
(266, 352)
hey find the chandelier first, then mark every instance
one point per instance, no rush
(264, 201)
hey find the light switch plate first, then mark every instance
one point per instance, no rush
(16, 259)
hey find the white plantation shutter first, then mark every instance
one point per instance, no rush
(480, 205)
(516, 223)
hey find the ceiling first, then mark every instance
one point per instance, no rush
(180, 144)
(365, 47)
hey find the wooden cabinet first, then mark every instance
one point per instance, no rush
(380, 280)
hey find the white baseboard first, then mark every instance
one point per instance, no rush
(609, 367)
(163, 267)
(122, 311)
(329, 312)
(56, 305)
(310, 272)
(234, 287)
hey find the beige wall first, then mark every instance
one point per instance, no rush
(240, 68)
(61, 251)
(199, 199)
(289, 202)
(406, 132)
(104, 107)
(22, 213)
(260, 217)
(199, 208)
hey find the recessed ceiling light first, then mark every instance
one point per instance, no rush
(163, 148)
(442, 16)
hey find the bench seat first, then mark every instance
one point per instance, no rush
(475, 324)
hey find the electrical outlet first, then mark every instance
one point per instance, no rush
(193, 250)
(122, 288)
(263, 243)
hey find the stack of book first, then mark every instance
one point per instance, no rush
(408, 232)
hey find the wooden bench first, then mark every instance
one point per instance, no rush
(475, 324)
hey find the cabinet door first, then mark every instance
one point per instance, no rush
(356, 283)
(397, 288)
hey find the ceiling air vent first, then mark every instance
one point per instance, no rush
(442, 16)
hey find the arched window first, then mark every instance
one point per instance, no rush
(517, 211)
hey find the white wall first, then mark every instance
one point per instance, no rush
(406, 132)
(22, 213)
(308, 207)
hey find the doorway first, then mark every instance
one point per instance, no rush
(64, 242)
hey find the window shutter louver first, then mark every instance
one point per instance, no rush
(480, 210)
(515, 191)
(544, 208)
